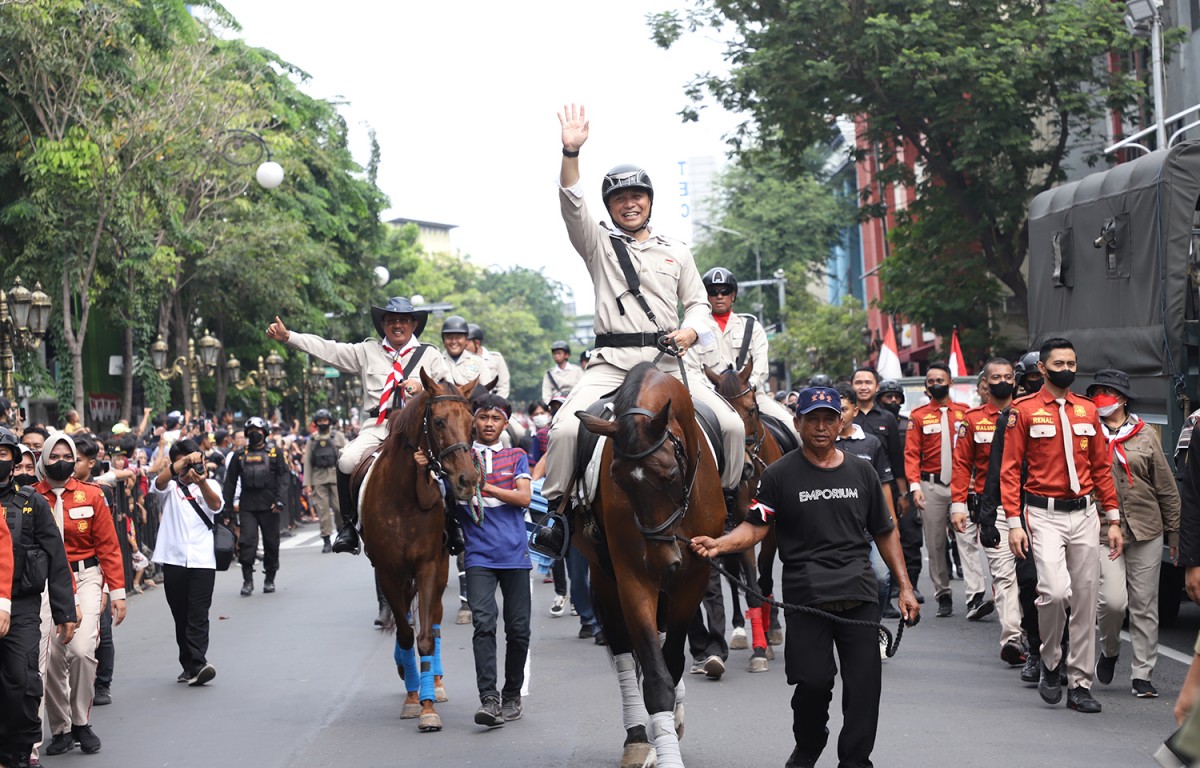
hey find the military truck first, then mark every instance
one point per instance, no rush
(1113, 266)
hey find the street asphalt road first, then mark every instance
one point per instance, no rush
(304, 680)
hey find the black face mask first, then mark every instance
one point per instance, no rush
(24, 480)
(6, 466)
(60, 470)
(1061, 379)
(1032, 385)
(256, 439)
(322, 427)
(894, 407)
(1001, 390)
(940, 392)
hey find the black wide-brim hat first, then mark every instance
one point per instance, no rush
(399, 305)
(1113, 379)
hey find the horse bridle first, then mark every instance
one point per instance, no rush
(753, 443)
(435, 462)
(655, 533)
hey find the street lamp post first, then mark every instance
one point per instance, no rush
(189, 365)
(268, 374)
(24, 318)
(242, 147)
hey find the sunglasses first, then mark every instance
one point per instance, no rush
(720, 292)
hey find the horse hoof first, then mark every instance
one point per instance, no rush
(775, 637)
(463, 617)
(410, 711)
(429, 723)
(679, 721)
(770, 653)
(638, 755)
(757, 664)
(439, 693)
(738, 641)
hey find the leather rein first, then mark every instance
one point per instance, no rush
(656, 533)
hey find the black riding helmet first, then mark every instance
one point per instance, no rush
(718, 276)
(7, 437)
(890, 385)
(474, 333)
(1026, 366)
(455, 324)
(627, 177)
(564, 346)
(819, 380)
(323, 413)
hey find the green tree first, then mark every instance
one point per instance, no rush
(991, 96)
(821, 338)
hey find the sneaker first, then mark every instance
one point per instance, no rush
(206, 673)
(89, 742)
(714, 667)
(268, 587)
(1050, 685)
(1080, 699)
(489, 713)
(102, 696)
(327, 547)
(1031, 673)
(800, 760)
(61, 744)
(586, 631)
(890, 611)
(573, 611)
(559, 606)
(1143, 689)
(981, 608)
(697, 667)
(247, 588)
(1012, 653)
(599, 638)
(511, 709)
(1105, 667)
(184, 676)
(945, 606)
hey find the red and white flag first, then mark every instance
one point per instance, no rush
(888, 365)
(958, 366)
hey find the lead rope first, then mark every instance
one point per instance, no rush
(893, 641)
(668, 346)
(475, 506)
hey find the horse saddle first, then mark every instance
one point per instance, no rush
(358, 479)
(783, 435)
(589, 448)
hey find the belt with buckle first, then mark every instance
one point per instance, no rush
(627, 340)
(1057, 505)
(79, 566)
(933, 477)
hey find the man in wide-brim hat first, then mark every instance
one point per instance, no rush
(389, 368)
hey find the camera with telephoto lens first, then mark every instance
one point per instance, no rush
(197, 467)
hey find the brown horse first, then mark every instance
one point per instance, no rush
(658, 484)
(404, 520)
(762, 450)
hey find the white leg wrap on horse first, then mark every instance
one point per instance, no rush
(680, 690)
(666, 743)
(633, 708)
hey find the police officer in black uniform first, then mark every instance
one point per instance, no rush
(262, 470)
(38, 556)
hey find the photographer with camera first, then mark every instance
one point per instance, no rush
(262, 471)
(184, 548)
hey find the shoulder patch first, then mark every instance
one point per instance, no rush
(1012, 418)
(962, 429)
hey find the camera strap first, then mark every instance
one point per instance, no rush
(192, 500)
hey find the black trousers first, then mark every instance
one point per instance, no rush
(912, 538)
(106, 652)
(481, 595)
(808, 657)
(20, 683)
(251, 522)
(706, 640)
(189, 594)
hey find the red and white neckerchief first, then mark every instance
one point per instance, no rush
(396, 375)
(1116, 451)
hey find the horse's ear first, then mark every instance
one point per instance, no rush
(469, 387)
(597, 425)
(491, 385)
(747, 370)
(658, 424)
(428, 383)
(715, 378)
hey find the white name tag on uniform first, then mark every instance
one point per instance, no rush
(1083, 429)
(79, 513)
(1043, 430)
(931, 429)
(984, 437)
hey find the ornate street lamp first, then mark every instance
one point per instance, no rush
(24, 319)
(275, 368)
(242, 147)
(189, 364)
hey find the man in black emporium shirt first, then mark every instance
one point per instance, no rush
(826, 508)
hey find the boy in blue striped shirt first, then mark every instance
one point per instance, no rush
(497, 555)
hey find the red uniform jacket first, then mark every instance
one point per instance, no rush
(923, 445)
(6, 565)
(88, 531)
(972, 451)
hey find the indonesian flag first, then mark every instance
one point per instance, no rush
(958, 366)
(888, 365)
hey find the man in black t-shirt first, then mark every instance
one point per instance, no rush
(825, 506)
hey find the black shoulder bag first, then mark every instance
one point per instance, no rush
(223, 541)
(745, 350)
(632, 281)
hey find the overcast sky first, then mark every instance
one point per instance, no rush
(463, 96)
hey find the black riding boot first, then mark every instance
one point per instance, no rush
(347, 538)
(247, 579)
(733, 515)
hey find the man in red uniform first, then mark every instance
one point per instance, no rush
(1057, 433)
(928, 458)
(972, 452)
(69, 671)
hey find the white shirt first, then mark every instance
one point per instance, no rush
(183, 538)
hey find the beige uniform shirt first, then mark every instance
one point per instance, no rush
(322, 475)
(468, 367)
(560, 381)
(667, 272)
(724, 353)
(497, 369)
(368, 361)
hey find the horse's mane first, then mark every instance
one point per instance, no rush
(730, 384)
(405, 422)
(626, 398)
